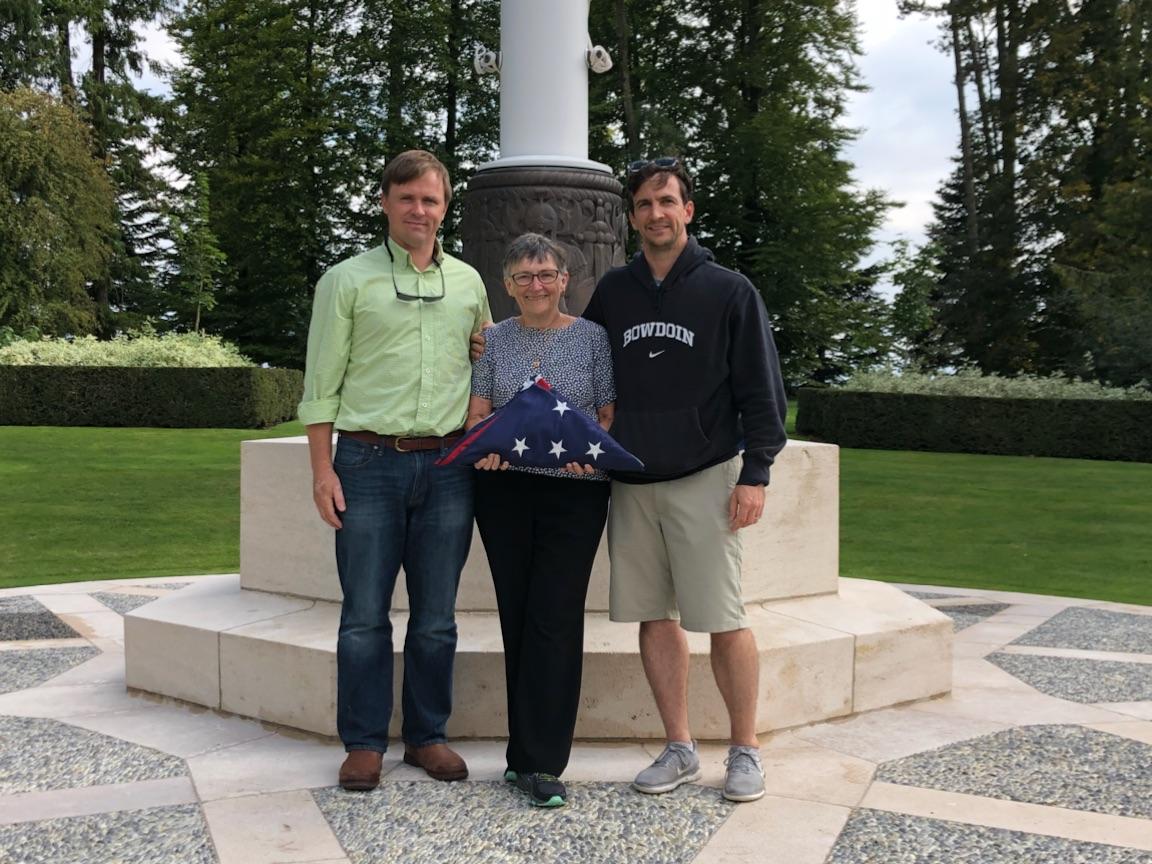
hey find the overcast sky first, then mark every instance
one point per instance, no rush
(907, 119)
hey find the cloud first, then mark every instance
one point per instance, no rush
(908, 118)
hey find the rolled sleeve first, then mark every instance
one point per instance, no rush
(329, 344)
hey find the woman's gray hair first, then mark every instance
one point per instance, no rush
(533, 247)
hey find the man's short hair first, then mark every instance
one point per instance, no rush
(533, 247)
(411, 165)
(646, 170)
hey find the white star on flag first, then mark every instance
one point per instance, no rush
(557, 448)
(594, 450)
(520, 446)
(561, 407)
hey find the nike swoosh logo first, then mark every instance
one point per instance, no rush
(652, 354)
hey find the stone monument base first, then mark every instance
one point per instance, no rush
(263, 644)
(274, 658)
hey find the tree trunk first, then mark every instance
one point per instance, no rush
(1008, 78)
(970, 218)
(452, 87)
(393, 121)
(64, 61)
(624, 72)
(977, 53)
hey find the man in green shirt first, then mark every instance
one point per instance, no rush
(388, 369)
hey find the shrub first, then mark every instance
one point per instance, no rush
(972, 382)
(1079, 428)
(239, 397)
(134, 349)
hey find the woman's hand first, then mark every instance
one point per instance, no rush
(491, 462)
(577, 468)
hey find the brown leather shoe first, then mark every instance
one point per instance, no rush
(361, 770)
(439, 761)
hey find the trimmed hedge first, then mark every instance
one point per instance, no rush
(1074, 428)
(223, 397)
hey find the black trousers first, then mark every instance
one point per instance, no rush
(541, 535)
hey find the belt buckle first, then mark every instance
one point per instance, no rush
(396, 443)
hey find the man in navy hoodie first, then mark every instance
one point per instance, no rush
(701, 402)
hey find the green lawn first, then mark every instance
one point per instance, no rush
(87, 503)
(78, 504)
(1071, 527)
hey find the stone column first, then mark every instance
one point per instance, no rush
(544, 180)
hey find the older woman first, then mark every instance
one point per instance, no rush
(541, 526)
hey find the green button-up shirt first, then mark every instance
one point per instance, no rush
(386, 365)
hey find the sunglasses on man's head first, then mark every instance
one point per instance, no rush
(668, 163)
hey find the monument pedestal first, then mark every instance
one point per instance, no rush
(580, 209)
(263, 644)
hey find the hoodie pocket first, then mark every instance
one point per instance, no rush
(665, 441)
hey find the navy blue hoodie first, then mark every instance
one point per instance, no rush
(697, 376)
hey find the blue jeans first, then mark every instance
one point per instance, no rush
(400, 510)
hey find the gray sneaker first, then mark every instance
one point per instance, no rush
(744, 780)
(676, 765)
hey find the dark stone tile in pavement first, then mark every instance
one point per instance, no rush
(123, 602)
(967, 615)
(477, 823)
(27, 618)
(1058, 766)
(878, 837)
(27, 668)
(37, 755)
(157, 835)
(1078, 679)
(1093, 630)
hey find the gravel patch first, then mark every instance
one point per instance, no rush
(1093, 630)
(878, 837)
(38, 755)
(158, 835)
(485, 823)
(124, 602)
(1078, 679)
(1058, 766)
(967, 615)
(27, 668)
(27, 618)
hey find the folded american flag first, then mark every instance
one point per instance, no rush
(538, 428)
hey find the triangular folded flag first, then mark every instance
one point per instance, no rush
(538, 428)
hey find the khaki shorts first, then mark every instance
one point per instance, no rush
(673, 554)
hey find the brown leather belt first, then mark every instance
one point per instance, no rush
(403, 445)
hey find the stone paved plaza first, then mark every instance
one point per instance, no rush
(1042, 753)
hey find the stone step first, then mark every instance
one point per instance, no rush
(273, 657)
(286, 549)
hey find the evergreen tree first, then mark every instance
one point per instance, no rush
(1026, 229)
(199, 262)
(260, 117)
(291, 109)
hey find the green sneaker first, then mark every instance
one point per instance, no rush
(543, 790)
(509, 775)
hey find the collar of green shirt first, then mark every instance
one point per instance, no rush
(402, 259)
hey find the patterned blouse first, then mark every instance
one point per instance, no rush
(575, 360)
